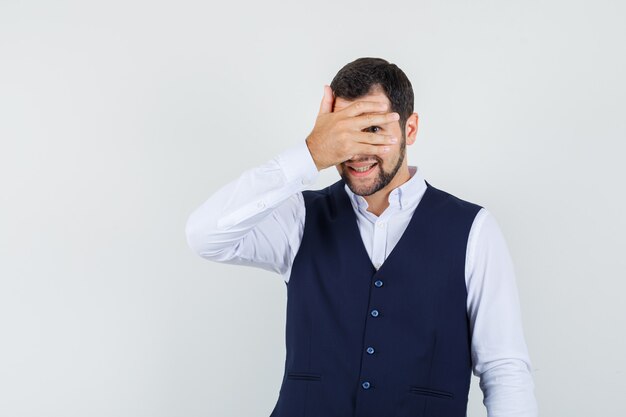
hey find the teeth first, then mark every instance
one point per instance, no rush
(363, 169)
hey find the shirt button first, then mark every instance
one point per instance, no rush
(305, 181)
(260, 204)
(381, 225)
(377, 265)
(374, 313)
(378, 283)
(370, 350)
(365, 384)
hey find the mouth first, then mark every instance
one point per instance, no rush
(362, 171)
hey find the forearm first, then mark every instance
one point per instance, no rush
(236, 208)
(508, 389)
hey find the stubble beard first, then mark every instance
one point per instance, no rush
(380, 181)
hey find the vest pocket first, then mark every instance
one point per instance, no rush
(429, 391)
(306, 376)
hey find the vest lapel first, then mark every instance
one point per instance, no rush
(346, 215)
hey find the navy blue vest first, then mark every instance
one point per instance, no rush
(392, 342)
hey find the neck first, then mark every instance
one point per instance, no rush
(379, 201)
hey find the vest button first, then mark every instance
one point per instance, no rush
(378, 283)
(374, 313)
(370, 350)
(365, 385)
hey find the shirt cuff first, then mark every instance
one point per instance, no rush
(297, 164)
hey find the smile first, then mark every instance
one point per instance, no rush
(362, 171)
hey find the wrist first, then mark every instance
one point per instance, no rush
(311, 152)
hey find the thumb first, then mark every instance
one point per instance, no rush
(327, 102)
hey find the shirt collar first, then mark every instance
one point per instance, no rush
(405, 196)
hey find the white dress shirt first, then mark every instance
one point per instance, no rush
(258, 220)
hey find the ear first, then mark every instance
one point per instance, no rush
(410, 130)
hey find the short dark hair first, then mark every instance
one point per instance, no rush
(359, 77)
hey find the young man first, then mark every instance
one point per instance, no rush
(396, 291)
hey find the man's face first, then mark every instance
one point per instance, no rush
(386, 165)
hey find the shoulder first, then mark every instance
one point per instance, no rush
(323, 194)
(444, 199)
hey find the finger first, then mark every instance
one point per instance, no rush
(362, 106)
(326, 106)
(363, 149)
(374, 138)
(373, 119)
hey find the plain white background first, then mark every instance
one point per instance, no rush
(118, 118)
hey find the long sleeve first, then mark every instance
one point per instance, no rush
(499, 352)
(257, 219)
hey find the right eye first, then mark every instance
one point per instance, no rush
(369, 129)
